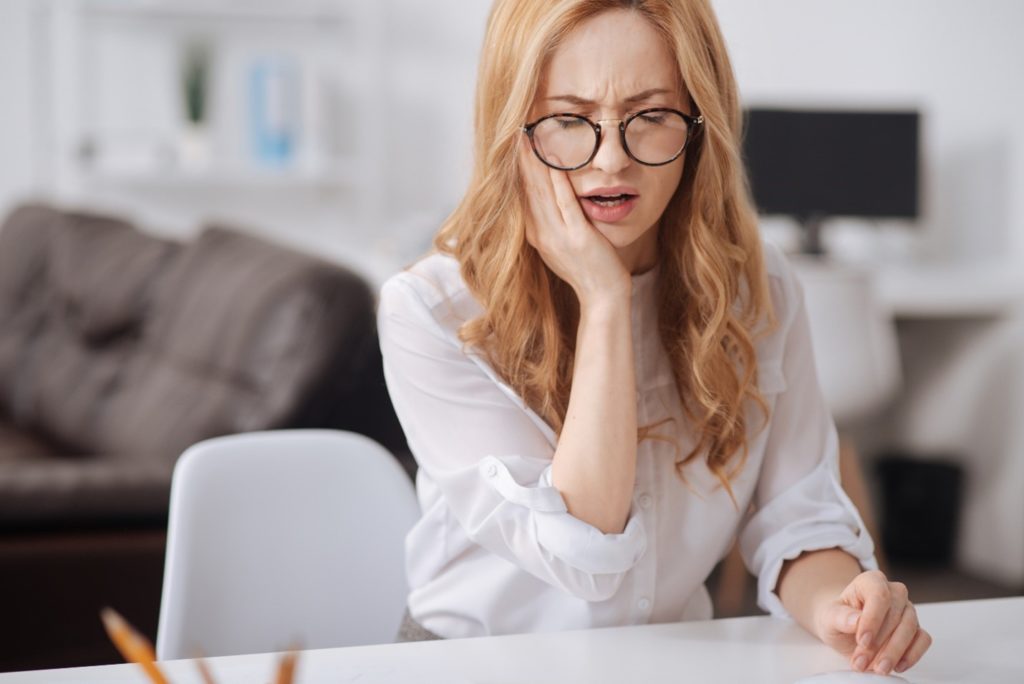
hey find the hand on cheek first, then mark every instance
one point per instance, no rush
(567, 242)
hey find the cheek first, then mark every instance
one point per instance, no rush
(661, 188)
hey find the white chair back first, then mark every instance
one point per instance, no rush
(284, 538)
(855, 347)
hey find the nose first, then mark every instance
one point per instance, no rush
(611, 157)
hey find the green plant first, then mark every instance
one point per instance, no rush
(195, 80)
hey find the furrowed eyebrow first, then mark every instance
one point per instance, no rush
(639, 97)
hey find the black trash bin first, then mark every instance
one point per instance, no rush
(920, 508)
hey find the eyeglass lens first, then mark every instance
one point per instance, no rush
(568, 141)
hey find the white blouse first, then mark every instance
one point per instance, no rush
(496, 551)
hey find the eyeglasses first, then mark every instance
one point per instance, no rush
(653, 137)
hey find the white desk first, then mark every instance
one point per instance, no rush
(952, 290)
(980, 642)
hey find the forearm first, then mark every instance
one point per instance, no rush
(813, 579)
(595, 461)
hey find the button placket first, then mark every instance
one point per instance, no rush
(645, 572)
(648, 453)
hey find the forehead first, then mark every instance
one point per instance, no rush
(609, 57)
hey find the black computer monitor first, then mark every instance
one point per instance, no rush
(813, 164)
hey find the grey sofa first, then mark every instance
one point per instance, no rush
(117, 351)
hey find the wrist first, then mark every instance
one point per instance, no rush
(605, 311)
(605, 301)
(812, 583)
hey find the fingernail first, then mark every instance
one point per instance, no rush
(884, 666)
(901, 666)
(865, 638)
(860, 663)
(851, 619)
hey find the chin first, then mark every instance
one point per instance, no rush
(619, 234)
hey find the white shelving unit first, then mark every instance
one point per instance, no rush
(339, 176)
(111, 79)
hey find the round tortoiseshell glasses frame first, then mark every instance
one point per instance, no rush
(694, 126)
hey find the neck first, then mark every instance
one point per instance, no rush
(642, 255)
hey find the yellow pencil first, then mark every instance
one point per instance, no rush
(286, 669)
(132, 645)
(204, 671)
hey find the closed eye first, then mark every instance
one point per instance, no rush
(653, 118)
(568, 122)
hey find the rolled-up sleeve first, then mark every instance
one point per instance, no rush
(490, 455)
(799, 505)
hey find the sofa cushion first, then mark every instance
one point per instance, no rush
(104, 273)
(71, 311)
(41, 483)
(72, 386)
(243, 332)
(248, 309)
(24, 257)
(24, 250)
(118, 350)
(18, 445)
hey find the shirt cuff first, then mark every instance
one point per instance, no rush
(813, 515)
(574, 542)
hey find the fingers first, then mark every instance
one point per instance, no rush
(559, 230)
(885, 608)
(540, 196)
(897, 605)
(842, 619)
(565, 197)
(873, 592)
(887, 634)
(891, 653)
(552, 187)
(552, 199)
(921, 643)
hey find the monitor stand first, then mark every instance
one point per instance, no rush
(810, 234)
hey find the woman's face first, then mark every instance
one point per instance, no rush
(610, 66)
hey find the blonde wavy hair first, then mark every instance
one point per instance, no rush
(712, 293)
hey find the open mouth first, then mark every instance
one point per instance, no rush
(609, 200)
(606, 207)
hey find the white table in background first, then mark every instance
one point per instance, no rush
(978, 642)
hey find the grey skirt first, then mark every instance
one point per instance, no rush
(414, 631)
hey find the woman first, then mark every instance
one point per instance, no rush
(603, 378)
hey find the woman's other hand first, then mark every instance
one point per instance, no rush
(874, 622)
(567, 242)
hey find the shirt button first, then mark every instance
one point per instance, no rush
(492, 470)
(645, 501)
(643, 604)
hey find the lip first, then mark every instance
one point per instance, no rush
(602, 214)
(597, 212)
(611, 190)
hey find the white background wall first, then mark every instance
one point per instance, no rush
(17, 151)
